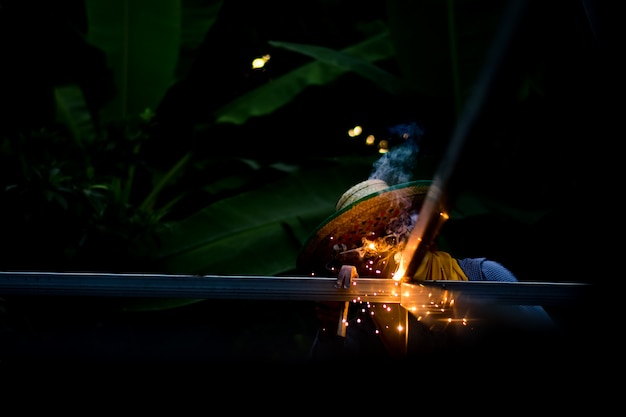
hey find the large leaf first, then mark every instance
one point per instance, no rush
(383, 79)
(72, 110)
(141, 40)
(260, 231)
(197, 17)
(281, 91)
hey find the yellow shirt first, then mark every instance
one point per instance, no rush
(439, 266)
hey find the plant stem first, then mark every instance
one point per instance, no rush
(148, 203)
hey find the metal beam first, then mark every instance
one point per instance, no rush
(302, 288)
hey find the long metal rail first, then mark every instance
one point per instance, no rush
(302, 288)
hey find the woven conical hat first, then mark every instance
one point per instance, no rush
(366, 211)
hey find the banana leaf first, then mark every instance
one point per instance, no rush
(328, 66)
(72, 111)
(347, 61)
(141, 40)
(197, 17)
(259, 231)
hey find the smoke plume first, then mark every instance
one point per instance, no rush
(398, 164)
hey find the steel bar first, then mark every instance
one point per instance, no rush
(194, 286)
(519, 293)
(279, 288)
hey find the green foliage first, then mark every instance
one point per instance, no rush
(250, 159)
(69, 207)
(136, 137)
(266, 225)
(86, 198)
(327, 67)
(141, 40)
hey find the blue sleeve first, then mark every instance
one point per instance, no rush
(482, 269)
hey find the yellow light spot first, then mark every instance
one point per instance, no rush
(355, 131)
(370, 139)
(400, 328)
(260, 62)
(383, 146)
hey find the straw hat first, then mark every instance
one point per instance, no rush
(371, 220)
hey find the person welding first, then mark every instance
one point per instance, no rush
(368, 236)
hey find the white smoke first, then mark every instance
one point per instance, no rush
(397, 166)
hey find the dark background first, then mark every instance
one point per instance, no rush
(553, 151)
